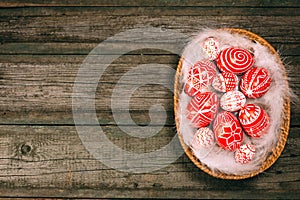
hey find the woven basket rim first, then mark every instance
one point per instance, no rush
(285, 123)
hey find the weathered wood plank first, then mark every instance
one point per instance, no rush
(58, 161)
(40, 117)
(185, 193)
(149, 11)
(170, 3)
(60, 48)
(37, 92)
(92, 28)
(141, 117)
(290, 61)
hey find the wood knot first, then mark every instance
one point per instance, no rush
(25, 149)
(157, 185)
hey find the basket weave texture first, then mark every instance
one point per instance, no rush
(285, 122)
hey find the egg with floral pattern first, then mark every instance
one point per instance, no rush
(228, 131)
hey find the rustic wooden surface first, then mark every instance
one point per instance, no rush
(43, 44)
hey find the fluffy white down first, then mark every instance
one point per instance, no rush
(215, 157)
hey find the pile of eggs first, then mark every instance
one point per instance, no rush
(219, 87)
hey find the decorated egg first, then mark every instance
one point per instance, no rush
(226, 81)
(235, 60)
(211, 47)
(200, 77)
(228, 131)
(204, 137)
(202, 109)
(245, 153)
(256, 82)
(232, 101)
(254, 120)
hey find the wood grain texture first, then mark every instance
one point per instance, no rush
(38, 89)
(147, 11)
(83, 49)
(57, 156)
(85, 28)
(42, 46)
(47, 90)
(168, 3)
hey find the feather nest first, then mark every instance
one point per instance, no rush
(216, 158)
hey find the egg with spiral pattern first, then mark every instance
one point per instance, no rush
(235, 60)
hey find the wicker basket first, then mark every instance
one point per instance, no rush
(284, 124)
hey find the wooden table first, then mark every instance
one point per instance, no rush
(43, 45)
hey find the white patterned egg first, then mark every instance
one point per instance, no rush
(232, 101)
(211, 47)
(245, 153)
(204, 137)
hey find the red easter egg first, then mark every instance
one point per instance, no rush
(200, 77)
(211, 47)
(235, 60)
(228, 131)
(202, 109)
(254, 120)
(256, 82)
(245, 153)
(232, 101)
(204, 137)
(226, 81)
